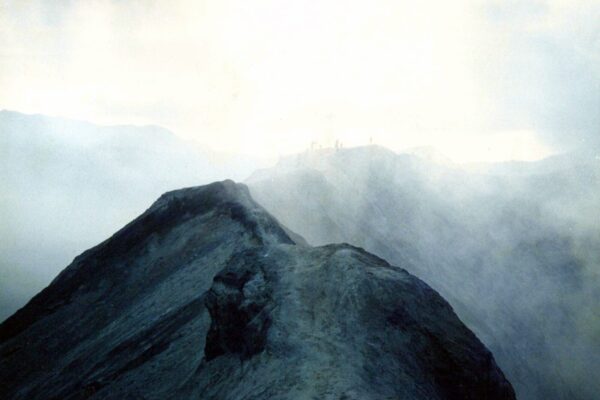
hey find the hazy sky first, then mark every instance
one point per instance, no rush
(479, 80)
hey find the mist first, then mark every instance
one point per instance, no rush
(512, 246)
(460, 141)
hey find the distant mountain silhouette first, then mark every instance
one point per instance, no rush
(67, 184)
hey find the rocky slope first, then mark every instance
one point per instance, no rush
(513, 247)
(206, 296)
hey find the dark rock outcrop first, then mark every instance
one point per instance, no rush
(238, 303)
(206, 296)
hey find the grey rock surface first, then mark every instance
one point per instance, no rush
(206, 296)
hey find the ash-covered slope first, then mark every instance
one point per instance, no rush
(206, 296)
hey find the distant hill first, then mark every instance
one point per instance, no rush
(67, 184)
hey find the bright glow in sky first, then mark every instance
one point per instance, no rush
(478, 80)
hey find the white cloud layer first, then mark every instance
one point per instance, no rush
(268, 77)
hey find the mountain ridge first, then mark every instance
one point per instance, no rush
(206, 295)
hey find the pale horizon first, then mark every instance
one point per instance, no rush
(502, 147)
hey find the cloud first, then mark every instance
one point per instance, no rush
(269, 77)
(540, 66)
